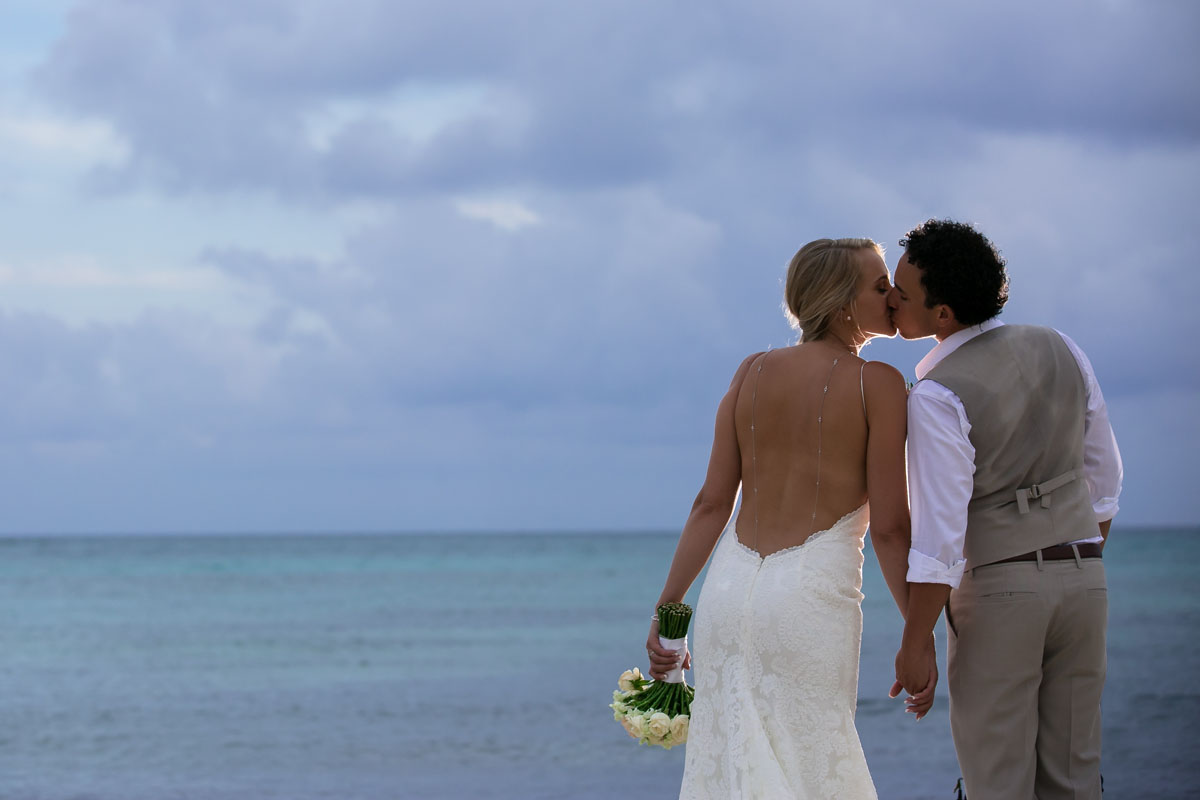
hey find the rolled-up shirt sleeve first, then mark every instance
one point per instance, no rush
(941, 469)
(1102, 468)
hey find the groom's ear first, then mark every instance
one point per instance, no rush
(945, 316)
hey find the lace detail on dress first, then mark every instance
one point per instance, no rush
(775, 648)
(752, 552)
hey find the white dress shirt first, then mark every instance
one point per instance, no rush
(941, 463)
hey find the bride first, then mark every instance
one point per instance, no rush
(814, 436)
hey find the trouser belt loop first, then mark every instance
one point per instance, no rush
(1039, 557)
(1075, 550)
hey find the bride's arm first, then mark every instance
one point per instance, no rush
(887, 489)
(708, 516)
(887, 485)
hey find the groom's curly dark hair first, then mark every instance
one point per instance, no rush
(959, 267)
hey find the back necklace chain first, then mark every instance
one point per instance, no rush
(812, 522)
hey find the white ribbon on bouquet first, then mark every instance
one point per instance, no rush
(679, 646)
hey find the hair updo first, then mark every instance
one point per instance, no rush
(822, 279)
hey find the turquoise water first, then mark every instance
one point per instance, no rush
(454, 666)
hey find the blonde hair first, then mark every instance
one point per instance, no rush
(821, 280)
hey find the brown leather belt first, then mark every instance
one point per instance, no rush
(1059, 552)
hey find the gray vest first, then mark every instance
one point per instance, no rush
(1025, 399)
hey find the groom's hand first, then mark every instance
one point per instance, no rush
(916, 673)
(912, 669)
(916, 663)
(922, 701)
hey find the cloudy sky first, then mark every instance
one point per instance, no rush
(375, 265)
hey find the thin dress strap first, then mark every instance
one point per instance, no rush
(862, 392)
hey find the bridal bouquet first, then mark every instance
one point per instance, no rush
(657, 712)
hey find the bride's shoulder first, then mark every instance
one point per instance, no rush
(748, 362)
(882, 369)
(879, 376)
(750, 359)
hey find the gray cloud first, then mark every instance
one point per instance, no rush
(451, 307)
(606, 95)
(674, 158)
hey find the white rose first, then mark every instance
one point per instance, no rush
(626, 682)
(658, 725)
(637, 725)
(679, 729)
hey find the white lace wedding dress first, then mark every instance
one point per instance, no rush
(775, 654)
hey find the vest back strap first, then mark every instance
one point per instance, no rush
(1043, 490)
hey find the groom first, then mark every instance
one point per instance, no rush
(1013, 479)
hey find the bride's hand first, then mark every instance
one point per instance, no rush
(663, 660)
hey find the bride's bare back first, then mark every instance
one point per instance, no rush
(800, 428)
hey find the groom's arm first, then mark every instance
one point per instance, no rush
(1102, 468)
(941, 463)
(941, 468)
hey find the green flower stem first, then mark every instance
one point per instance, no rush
(673, 620)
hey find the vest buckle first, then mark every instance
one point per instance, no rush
(1043, 490)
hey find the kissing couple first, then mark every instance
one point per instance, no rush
(987, 490)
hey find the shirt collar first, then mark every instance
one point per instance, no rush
(952, 343)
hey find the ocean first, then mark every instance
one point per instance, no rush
(457, 666)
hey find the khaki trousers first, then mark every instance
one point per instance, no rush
(1026, 669)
